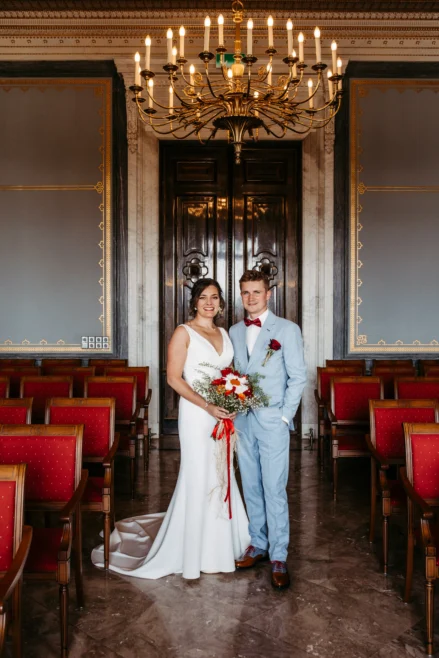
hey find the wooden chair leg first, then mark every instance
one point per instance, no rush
(409, 568)
(385, 543)
(335, 477)
(373, 500)
(78, 559)
(107, 532)
(63, 611)
(132, 476)
(2, 631)
(429, 614)
(112, 515)
(16, 620)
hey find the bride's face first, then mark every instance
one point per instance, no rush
(208, 304)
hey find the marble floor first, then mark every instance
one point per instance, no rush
(339, 604)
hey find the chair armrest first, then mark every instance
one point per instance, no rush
(318, 399)
(135, 415)
(382, 461)
(147, 400)
(332, 418)
(14, 573)
(109, 457)
(427, 511)
(74, 501)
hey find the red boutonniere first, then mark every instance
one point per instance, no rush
(273, 346)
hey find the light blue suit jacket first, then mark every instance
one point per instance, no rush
(285, 372)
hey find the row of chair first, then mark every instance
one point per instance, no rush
(98, 364)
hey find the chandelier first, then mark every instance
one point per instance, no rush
(241, 100)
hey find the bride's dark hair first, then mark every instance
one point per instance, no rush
(198, 288)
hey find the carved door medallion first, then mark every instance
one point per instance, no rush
(219, 219)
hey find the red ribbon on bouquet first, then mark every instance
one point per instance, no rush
(225, 429)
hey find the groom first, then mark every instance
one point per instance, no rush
(272, 347)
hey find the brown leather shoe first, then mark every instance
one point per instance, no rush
(280, 578)
(251, 557)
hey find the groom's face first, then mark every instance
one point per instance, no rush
(254, 297)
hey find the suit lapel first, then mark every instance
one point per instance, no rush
(242, 360)
(259, 349)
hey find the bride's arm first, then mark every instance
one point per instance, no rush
(177, 354)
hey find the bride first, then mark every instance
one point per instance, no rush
(195, 535)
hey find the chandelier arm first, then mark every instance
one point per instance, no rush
(163, 107)
(275, 121)
(209, 83)
(182, 101)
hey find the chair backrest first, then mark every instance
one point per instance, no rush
(4, 386)
(422, 459)
(42, 388)
(122, 389)
(427, 363)
(392, 363)
(340, 363)
(101, 364)
(96, 414)
(12, 479)
(15, 375)
(386, 423)
(431, 371)
(48, 363)
(416, 388)
(78, 374)
(53, 454)
(324, 376)
(350, 398)
(388, 374)
(7, 363)
(140, 373)
(16, 412)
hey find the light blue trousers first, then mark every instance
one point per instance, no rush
(264, 455)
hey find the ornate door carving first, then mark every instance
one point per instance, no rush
(218, 220)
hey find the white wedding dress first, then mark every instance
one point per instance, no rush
(195, 535)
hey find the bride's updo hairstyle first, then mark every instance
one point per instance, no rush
(198, 288)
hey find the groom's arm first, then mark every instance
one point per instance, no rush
(296, 370)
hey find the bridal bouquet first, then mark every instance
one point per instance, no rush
(236, 393)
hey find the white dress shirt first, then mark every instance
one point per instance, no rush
(251, 336)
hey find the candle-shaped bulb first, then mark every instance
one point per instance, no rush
(249, 37)
(206, 33)
(169, 37)
(148, 42)
(182, 33)
(318, 46)
(311, 99)
(290, 36)
(192, 73)
(171, 100)
(137, 70)
(174, 55)
(148, 53)
(220, 30)
(229, 74)
(330, 84)
(256, 94)
(301, 39)
(270, 23)
(339, 65)
(334, 56)
(151, 91)
(269, 71)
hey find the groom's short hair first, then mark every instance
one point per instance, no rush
(254, 275)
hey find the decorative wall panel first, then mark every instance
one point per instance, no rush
(55, 213)
(394, 221)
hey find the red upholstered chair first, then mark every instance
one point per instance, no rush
(349, 417)
(4, 387)
(99, 446)
(421, 482)
(15, 375)
(72, 363)
(417, 388)
(14, 548)
(43, 388)
(124, 391)
(388, 375)
(392, 363)
(15, 412)
(387, 447)
(8, 363)
(427, 363)
(78, 375)
(322, 396)
(143, 398)
(341, 363)
(55, 482)
(101, 364)
(431, 371)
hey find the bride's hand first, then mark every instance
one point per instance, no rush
(219, 413)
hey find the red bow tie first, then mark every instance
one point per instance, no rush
(249, 322)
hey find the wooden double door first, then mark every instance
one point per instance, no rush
(219, 219)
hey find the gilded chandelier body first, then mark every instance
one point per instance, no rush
(243, 100)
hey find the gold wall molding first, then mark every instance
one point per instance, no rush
(358, 342)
